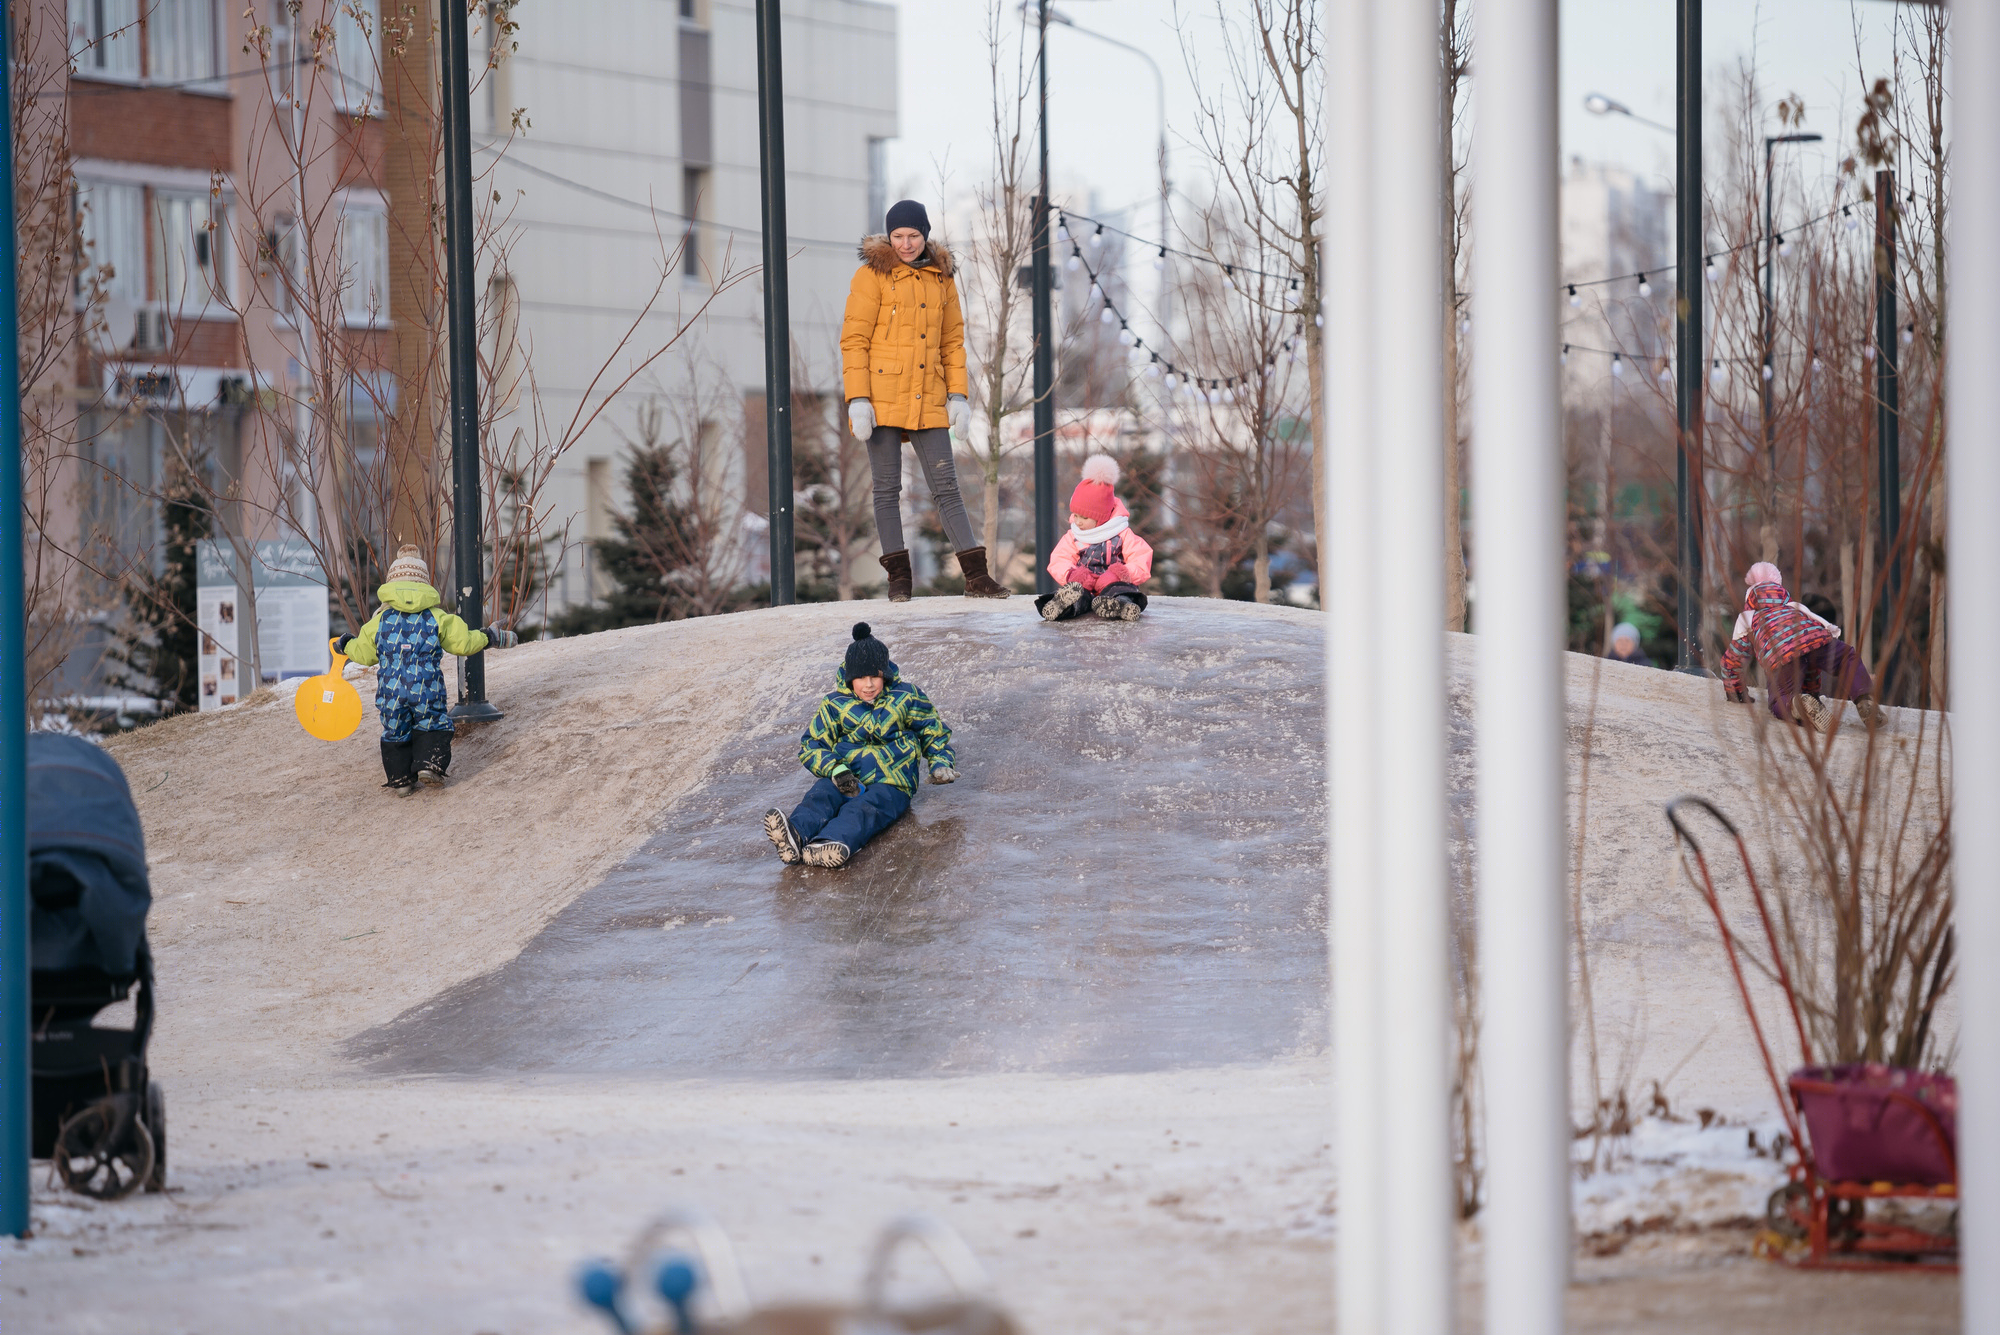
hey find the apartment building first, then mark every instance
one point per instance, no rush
(639, 125)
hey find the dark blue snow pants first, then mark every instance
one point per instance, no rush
(825, 813)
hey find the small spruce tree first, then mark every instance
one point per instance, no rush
(645, 560)
(155, 651)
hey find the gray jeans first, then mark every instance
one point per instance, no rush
(885, 462)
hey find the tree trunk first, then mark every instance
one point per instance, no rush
(989, 523)
(1263, 569)
(1454, 537)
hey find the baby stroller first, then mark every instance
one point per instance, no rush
(97, 1113)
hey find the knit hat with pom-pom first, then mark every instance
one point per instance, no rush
(1093, 497)
(409, 564)
(1762, 573)
(867, 656)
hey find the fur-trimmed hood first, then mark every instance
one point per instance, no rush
(876, 252)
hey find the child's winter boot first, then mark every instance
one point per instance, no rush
(1870, 712)
(826, 853)
(1115, 607)
(397, 765)
(433, 756)
(1811, 711)
(1068, 596)
(779, 827)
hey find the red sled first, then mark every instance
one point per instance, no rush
(1861, 1132)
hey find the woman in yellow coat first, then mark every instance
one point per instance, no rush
(902, 364)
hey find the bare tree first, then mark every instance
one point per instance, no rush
(1263, 135)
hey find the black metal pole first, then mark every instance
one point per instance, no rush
(777, 297)
(1045, 352)
(1688, 278)
(1767, 373)
(1888, 425)
(467, 566)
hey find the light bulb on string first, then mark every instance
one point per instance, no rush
(1107, 316)
(1645, 286)
(1464, 325)
(1097, 237)
(1172, 380)
(1160, 260)
(1295, 285)
(1229, 277)
(1073, 263)
(1718, 374)
(1714, 274)
(1666, 374)
(1784, 246)
(1565, 355)
(1847, 212)
(1319, 322)
(1617, 366)
(1868, 353)
(1910, 332)
(1574, 299)
(1767, 372)
(1125, 336)
(1062, 230)
(1096, 292)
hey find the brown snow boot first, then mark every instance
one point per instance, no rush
(898, 566)
(979, 584)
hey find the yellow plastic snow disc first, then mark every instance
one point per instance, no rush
(328, 707)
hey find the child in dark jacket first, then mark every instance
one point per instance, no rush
(1802, 655)
(1100, 563)
(864, 746)
(405, 642)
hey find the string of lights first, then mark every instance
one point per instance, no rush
(1173, 375)
(1643, 277)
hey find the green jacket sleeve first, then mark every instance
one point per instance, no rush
(361, 649)
(933, 733)
(456, 636)
(817, 743)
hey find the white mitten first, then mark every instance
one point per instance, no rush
(960, 409)
(861, 418)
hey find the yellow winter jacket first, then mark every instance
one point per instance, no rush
(902, 341)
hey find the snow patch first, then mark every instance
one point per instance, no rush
(1679, 1175)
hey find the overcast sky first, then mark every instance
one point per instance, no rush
(1104, 128)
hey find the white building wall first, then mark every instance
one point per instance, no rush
(600, 85)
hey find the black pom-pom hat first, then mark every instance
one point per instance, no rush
(867, 656)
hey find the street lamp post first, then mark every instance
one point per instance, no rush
(1045, 355)
(1767, 334)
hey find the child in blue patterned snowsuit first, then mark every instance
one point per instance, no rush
(405, 641)
(865, 745)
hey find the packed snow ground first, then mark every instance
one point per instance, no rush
(311, 1196)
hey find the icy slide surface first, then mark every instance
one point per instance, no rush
(1129, 875)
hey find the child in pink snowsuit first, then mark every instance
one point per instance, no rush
(1100, 563)
(1803, 657)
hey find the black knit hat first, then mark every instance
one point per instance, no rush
(867, 656)
(909, 213)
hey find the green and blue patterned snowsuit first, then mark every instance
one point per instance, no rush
(406, 642)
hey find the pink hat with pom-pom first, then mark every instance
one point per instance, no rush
(1093, 497)
(1761, 573)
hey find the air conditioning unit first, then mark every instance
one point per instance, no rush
(151, 330)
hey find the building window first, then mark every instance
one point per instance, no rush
(694, 204)
(190, 248)
(104, 38)
(355, 56)
(878, 183)
(112, 220)
(364, 264)
(181, 41)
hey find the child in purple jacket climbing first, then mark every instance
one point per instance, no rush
(1802, 655)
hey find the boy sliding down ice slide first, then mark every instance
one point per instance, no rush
(864, 745)
(1100, 563)
(1802, 655)
(405, 642)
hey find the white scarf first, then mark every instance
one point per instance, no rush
(1105, 532)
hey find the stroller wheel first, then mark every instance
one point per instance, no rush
(1789, 1211)
(156, 1124)
(97, 1157)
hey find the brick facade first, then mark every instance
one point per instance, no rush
(159, 127)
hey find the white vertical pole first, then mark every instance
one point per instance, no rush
(1349, 603)
(1972, 589)
(1518, 497)
(1405, 643)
